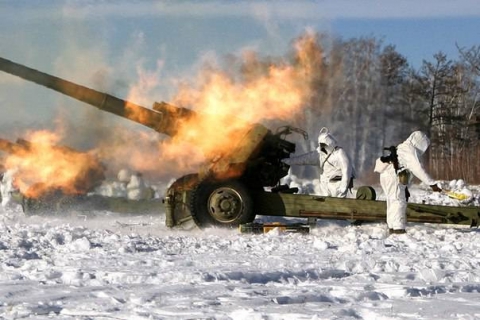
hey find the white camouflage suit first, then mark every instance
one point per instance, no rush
(408, 153)
(7, 187)
(336, 169)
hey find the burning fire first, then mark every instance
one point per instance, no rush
(229, 104)
(43, 167)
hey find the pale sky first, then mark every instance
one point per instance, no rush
(106, 44)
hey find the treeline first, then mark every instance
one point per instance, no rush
(370, 97)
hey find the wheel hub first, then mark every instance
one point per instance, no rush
(225, 204)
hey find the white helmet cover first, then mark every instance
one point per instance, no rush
(325, 137)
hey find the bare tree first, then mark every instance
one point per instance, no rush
(396, 109)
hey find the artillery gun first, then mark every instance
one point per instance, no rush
(230, 189)
(252, 163)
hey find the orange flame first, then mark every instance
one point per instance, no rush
(228, 103)
(42, 167)
(228, 107)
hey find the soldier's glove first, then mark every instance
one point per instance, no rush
(436, 188)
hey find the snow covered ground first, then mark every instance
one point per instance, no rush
(108, 266)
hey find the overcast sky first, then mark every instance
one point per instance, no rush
(107, 43)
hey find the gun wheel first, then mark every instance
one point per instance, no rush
(366, 193)
(221, 204)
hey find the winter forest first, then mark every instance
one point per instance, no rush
(370, 97)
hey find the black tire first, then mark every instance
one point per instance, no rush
(223, 204)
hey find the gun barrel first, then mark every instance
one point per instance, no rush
(253, 155)
(125, 109)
